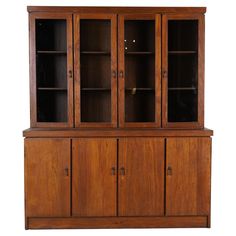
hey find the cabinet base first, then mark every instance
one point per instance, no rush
(118, 222)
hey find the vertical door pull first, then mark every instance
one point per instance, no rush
(66, 171)
(122, 171)
(169, 170)
(114, 74)
(70, 74)
(113, 171)
(164, 74)
(121, 74)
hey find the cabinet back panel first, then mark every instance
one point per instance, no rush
(51, 34)
(51, 70)
(96, 106)
(95, 35)
(95, 71)
(52, 106)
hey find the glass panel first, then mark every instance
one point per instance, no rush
(51, 70)
(52, 106)
(95, 66)
(182, 70)
(139, 43)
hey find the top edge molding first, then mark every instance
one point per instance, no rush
(107, 9)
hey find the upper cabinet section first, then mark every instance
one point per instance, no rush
(51, 70)
(116, 68)
(183, 63)
(95, 56)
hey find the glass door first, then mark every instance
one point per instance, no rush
(51, 70)
(139, 57)
(182, 75)
(95, 70)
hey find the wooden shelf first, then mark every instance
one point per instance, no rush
(51, 89)
(51, 52)
(95, 52)
(182, 88)
(95, 89)
(139, 53)
(182, 52)
(140, 89)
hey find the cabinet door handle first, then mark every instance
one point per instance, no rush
(122, 171)
(113, 171)
(114, 74)
(70, 74)
(164, 74)
(121, 74)
(66, 171)
(169, 170)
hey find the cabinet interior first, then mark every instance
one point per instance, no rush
(51, 70)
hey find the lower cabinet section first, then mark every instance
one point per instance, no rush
(117, 182)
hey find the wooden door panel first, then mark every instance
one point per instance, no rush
(174, 70)
(141, 182)
(58, 105)
(95, 109)
(143, 109)
(188, 176)
(94, 177)
(47, 182)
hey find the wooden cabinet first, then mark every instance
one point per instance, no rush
(141, 177)
(47, 177)
(188, 165)
(117, 137)
(94, 177)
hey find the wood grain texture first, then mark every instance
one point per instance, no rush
(47, 169)
(141, 186)
(188, 186)
(94, 181)
(39, 132)
(117, 10)
(117, 222)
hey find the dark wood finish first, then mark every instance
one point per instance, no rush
(77, 84)
(47, 177)
(101, 169)
(118, 222)
(141, 177)
(94, 177)
(188, 184)
(116, 133)
(33, 85)
(118, 10)
(122, 79)
(200, 120)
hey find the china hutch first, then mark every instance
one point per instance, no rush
(117, 137)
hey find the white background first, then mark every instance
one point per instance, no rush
(220, 115)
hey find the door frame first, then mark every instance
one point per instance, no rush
(201, 38)
(32, 65)
(121, 70)
(77, 75)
